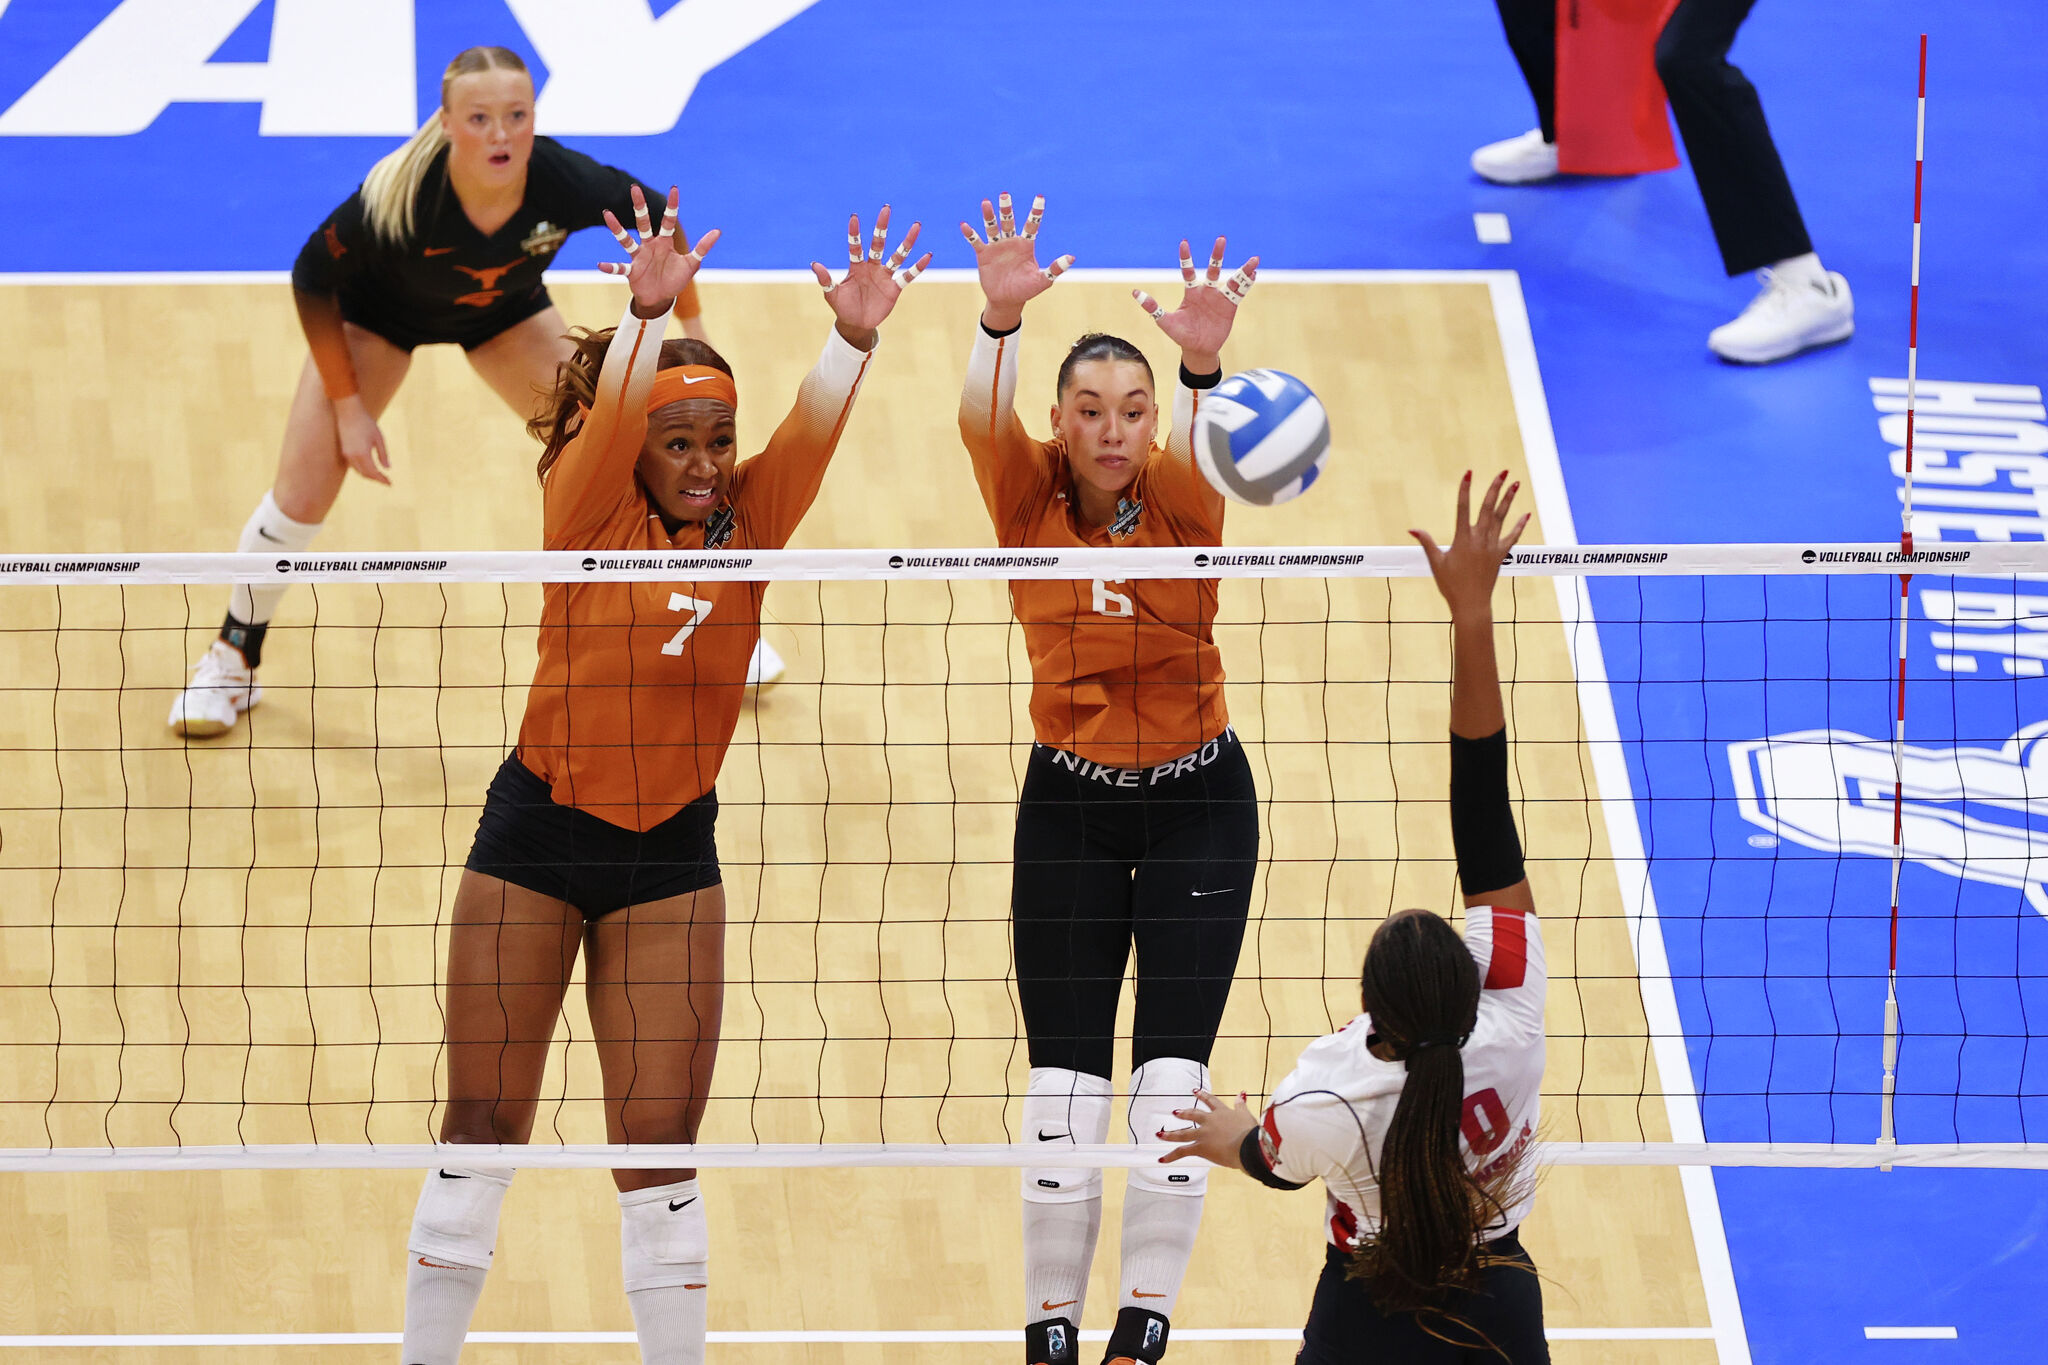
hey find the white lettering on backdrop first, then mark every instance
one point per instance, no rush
(347, 70)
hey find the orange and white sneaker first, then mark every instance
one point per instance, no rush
(223, 686)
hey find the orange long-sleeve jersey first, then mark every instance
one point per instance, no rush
(1123, 673)
(639, 684)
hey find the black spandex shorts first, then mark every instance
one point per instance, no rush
(469, 333)
(1506, 1310)
(1109, 860)
(526, 838)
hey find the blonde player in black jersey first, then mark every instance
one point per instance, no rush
(444, 242)
(1418, 1115)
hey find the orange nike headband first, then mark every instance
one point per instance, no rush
(681, 382)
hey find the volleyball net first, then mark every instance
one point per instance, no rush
(230, 953)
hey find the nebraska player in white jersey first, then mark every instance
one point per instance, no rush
(1418, 1115)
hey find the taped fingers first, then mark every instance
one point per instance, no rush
(1187, 265)
(1058, 267)
(879, 239)
(1148, 303)
(1215, 272)
(853, 242)
(904, 277)
(902, 253)
(1037, 212)
(619, 231)
(1240, 284)
(1009, 214)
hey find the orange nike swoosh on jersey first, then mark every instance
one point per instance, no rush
(1141, 1294)
(436, 1265)
(437, 251)
(1049, 1305)
(693, 1286)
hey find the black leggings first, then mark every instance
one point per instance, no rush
(1345, 1328)
(1108, 857)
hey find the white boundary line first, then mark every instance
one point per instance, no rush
(1624, 835)
(794, 1338)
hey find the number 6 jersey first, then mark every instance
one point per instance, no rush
(1125, 674)
(1328, 1120)
(639, 684)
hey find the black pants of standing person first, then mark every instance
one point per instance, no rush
(1749, 201)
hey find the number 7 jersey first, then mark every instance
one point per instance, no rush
(639, 684)
(1124, 673)
(1328, 1120)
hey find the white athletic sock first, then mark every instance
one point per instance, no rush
(1062, 1205)
(440, 1300)
(454, 1232)
(1805, 269)
(1162, 1204)
(268, 531)
(1158, 1238)
(665, 1254)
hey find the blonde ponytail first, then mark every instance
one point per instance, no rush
(393, 185)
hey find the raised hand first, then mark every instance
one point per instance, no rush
(1008, 261)
(657, 265)
(1208, 307)
(868, 291)
(1466, 571)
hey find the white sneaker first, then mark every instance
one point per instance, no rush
(765, 667)
(1786, 317)
(1520, 160)
(223, 687)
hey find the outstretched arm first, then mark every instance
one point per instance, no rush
(597, 467)
(783, 480)
(1482, 822)
(1008, 464)
(1199, 326)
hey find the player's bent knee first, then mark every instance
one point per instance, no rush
(456, 1220)
(664, 1238)
(1159, 1087)
(1064, 1108)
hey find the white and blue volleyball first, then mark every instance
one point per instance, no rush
(1261, 437)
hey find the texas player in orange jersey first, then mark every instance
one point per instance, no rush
(598, 830)
(1138, 821)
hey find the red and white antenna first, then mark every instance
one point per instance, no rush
(1885, 1135)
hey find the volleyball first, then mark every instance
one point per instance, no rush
(1261, 437)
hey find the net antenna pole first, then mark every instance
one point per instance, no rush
(1885, 1133)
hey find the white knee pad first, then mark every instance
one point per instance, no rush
(1159, 1087)
(1069, 1108)
(456, 1220)
(664, 1239)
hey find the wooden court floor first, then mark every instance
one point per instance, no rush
(243, 939)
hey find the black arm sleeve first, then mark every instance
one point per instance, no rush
(1482, 822)
(335, 251)
(1252, 1157)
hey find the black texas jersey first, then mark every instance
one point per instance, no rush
(450, 279)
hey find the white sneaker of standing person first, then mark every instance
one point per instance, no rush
(765, 667)
(223, 686)
(1799, 307)
(1520, 160)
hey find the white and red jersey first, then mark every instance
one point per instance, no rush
(1328, 1120)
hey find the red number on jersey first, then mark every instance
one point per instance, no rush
(1485, 1122)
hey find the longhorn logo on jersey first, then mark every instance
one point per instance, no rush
(1980, 814)
(487, 291)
